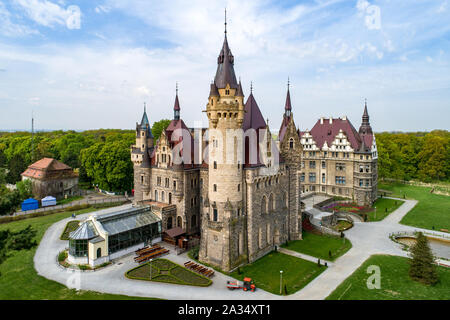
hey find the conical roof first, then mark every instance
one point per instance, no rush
(85, 231)
(287, 105)
(146, 123)
(225, 70)
(253, 117)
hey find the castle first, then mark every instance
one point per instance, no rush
(232, 183)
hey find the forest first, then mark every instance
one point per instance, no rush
(102, 157)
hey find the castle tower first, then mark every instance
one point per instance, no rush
(141, 159)
(225, 111)
(291, 150)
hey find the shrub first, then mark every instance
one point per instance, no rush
(62, 256)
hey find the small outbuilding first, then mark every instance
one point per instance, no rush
(30, 204)
(51, 177)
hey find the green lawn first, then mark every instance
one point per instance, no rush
(320, 245)
(265, 272)
(19, 280)
(382, 204)
(163, 270)
(433, 210)
(70, 227)
(69, 200)
(395, 283)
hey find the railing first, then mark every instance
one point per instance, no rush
(415, 232)
(72, 204)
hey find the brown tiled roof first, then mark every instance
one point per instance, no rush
(48, 168)
(327, 132)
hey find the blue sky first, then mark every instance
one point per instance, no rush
(92, 64)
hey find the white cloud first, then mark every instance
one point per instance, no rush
(11, 29)
(49, 14)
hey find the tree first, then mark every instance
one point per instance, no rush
(25, 189)
(16, 166)
(158, 127)
(9, 201)
(20, 240)
(3, 160)
(432, 158)
(422, 268)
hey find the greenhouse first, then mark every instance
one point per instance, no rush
(102, 238)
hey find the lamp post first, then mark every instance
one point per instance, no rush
(375, 212)
(151, 269)
(281, 280)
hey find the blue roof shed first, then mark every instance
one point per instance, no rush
(30, 204)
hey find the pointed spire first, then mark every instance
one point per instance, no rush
(287, 105)
(251, 87)
(225, 22)
(225, 70)
(176, 106)
(240, 92)
(145, 122)
(365, 127)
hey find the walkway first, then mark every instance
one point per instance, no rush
(304, 256)
(367, 238)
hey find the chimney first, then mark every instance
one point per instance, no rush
(321, 120)
(331, 120)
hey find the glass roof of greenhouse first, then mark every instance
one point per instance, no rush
(126, 220)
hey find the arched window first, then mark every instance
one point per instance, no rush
(170, 198)
(99, 253)
(169, 223)
(239, 187)
(156, 195)
(264, 205)
(180, 222)
(271, 203)
(162, 196)
(215, 164)
(215, 215)
(215, 188)
(291, 143)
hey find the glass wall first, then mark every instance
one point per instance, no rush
(78, 248)
(130, 238)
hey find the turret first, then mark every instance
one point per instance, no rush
(365, 127)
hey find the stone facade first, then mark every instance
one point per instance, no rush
(50, 177)
(344, 163)
(243, 199)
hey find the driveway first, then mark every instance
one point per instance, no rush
(367, 238)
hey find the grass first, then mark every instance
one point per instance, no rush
(163, 270)
(342, 225)
(319, 246)
(265, 272)
(19, 280)
(395, 283)
(70, 227)
(69, 200)
(432, 211)
(384, 208)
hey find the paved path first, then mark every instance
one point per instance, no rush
(303, 256)
(367, 238)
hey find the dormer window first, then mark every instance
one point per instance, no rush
(227, 92)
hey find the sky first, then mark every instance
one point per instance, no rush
(92, 64)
